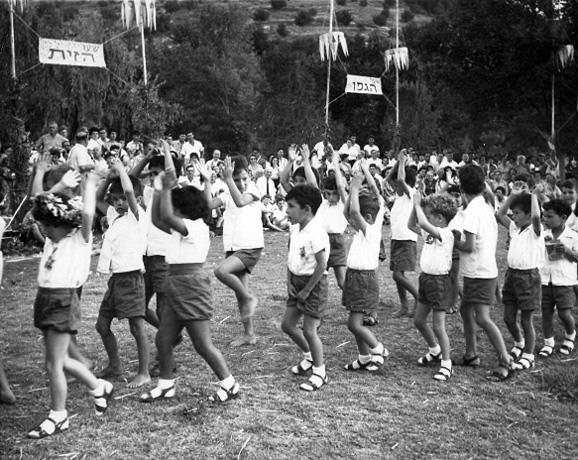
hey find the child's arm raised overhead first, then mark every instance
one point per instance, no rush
(412, 222)
(126, 187)
(240, 199)
(306, 155)
(137, 169)
(89, 205)
(69, 180)
(502, 214)
(166, 211)
(41, 168)
(339, 179)
(357, 220)
(422, 219)
(101, 204)
(401, 173)
(535, 216)
(368, 177)
(285, 174)
(201, 168)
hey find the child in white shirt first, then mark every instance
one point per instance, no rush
(430, 218)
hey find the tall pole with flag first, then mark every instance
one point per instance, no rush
(143, 12)
(11, 6)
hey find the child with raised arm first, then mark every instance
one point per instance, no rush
(182, 212)
(430, 218)
(558, 276)
(242, 240)
(522, 284)
(365, 210)
(122, 253)
(479, 269)
(64, 267)
(306, 282)
(403, 240)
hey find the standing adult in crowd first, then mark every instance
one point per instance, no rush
(50, 140)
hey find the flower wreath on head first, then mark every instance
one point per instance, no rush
(60, 208)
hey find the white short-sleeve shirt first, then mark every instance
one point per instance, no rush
(364, 250)
(78, 157)
(400, 212)
(190, 249)
(480, 220)
(157, 239)
(436, 255)
(242, 226)
(526, 249)
(560, 272)
(304, 244)
(331, 216)
(65, 264)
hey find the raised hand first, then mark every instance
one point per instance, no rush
(71, 178)
(228, 168)
(43, 163)
(201, 168)
(417, 198)
(357, 178)
(292, 153)
(305, 153)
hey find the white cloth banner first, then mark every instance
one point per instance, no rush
(64, 52)
(363, 85)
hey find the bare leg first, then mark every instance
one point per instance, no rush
(363, 336)
(75, 353)
(547, 322)
(468, 317)
(138, 331)
(6, 395)
(169, 330)
(420, 321)
(340, 275)
(567, 320)
(310, 326)
(200, 333)
(494, 335)
(56, 344)
(511, 320)
(289, 326)
(529, 331)
(439, 328)
(114, 368)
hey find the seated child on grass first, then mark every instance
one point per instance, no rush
(306, 282)
(64, 267)
(522, 285)
(558, 276)
(430, 218)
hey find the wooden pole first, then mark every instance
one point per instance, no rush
(396, 66)
(144, 54)
(12, 42)
(329, 58)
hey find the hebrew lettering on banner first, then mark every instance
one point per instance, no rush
(363, 85)
(63, 52)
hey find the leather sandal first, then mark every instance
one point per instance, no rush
(156, 393)
(42, 432)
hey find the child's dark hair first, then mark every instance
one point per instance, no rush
(157, 161)
(472, 179)
(300, 172)
(190, 202)
(523, 177)
(240, 164)
(369, 204)
(499, 187)
(523, 202)
(560, 207)
(329, 183)
(568, 183)
(116, 186)
(442, 204)
(306, 195)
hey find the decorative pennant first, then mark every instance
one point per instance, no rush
(399, 57)
(142, 11)
(564, 56)
(15, 3)
(330, 44)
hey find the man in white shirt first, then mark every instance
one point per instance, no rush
(191, 146)
(51, 139)
(265, 184)
(370, 149)
(215, 160)
(79, 157)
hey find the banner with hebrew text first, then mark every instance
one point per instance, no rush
(64, 52)
(363, 85)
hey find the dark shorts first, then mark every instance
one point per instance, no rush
(434, 291)
(249, 257)
(360, 291)
(522, 289)
(188, 291)
(125, 296)
(561, 297)
(316, 303)
(57, 309)
(403, 256)
(155, 275)
(337, 252)
(479, 291)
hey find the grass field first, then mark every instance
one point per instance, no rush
(398, 412)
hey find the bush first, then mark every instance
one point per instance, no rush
(388, 4)
(344, 17)
(312, 12)
(282, 30)
(278, 4)
(342, 2)
(363, 3)
(407, 15)
(172, 6)
(261, 14)
(303, 18)
(381, 19)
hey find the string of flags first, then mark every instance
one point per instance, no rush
(141, 11)
(329, 44)
(19, 3)
(398, 57)
(564, 56)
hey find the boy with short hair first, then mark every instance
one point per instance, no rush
(479, 269)
(558, 276)
(403, 240)
(522, 286)
(365, 210)
(306, 282)
(122, 253)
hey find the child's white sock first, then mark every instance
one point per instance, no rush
(165, 384)
(571, 336)
(434, 351)
(307, 356)
(99, 390)
(227, 383)
(528, 356)
(58, 415)
(521, 344)
(364, 359)
(446, 363)
(549, 341)
(378, 349)
(319, 370)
